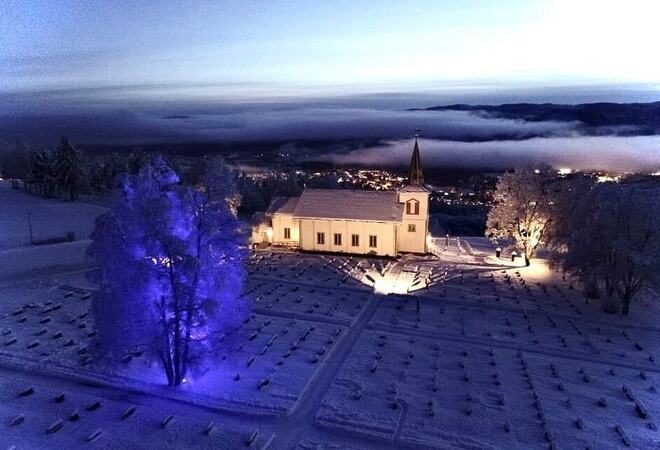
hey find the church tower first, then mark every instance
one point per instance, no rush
(414, 196)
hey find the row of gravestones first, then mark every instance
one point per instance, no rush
(393, 394)
(78, 414)
(46, 314)
(294, 348)
(602, 403)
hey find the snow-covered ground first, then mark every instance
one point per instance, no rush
(466, 352)
(51, 218)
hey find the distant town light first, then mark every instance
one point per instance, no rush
(565, 171)
(607, 179)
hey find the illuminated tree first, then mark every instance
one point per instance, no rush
(523, 209)
(171, 269)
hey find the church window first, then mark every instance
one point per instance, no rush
(337, 238)
(287, 233)
(320, 238)
(373, 241)
(355, 240)
(412, 228)
(412, 207)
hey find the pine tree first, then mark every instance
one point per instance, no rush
(68, 169)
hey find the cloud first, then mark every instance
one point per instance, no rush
(273, 122)
(451, 138)
(580, 152)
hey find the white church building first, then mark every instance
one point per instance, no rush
(383, 223)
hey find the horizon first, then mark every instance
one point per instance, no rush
(104, 73)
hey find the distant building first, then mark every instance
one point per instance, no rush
(344, 221)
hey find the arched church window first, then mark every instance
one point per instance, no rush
(412, 207)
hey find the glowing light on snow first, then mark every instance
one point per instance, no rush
(389, 284)
(537, 270)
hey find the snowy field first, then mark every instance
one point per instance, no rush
(51, 218)
(465, 352)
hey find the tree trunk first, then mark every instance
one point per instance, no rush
(625, 310)
(167, 349)
(177, 324)
(527, 260)
(591, 287)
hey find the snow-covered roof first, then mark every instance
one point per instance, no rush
(282, 205)
(415, 188)
(377, 206)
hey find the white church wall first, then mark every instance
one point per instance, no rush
(385, 236)
(282, 221)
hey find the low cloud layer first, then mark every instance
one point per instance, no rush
(455, 138)
(638, 153)
(273, 123)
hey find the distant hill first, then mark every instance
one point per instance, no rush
(639, 118)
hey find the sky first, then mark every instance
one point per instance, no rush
(182, 49)
(131, 72)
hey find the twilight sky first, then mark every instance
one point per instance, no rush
(187, 49)
(131, 72)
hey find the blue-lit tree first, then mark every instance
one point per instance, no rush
(171, 268)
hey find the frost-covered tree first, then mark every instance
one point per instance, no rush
(42, 172)
(220, 182)
(253, 197)
(523, 209)
(68, 169)
(615, 244)
(171, 268)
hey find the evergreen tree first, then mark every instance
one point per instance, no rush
(68, 169)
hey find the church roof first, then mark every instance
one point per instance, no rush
(375, 206)
(415, 188)
(282, 205)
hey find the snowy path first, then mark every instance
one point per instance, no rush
(303, 414)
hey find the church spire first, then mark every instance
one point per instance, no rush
(415, 175)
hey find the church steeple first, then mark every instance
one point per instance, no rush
(415, 175)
